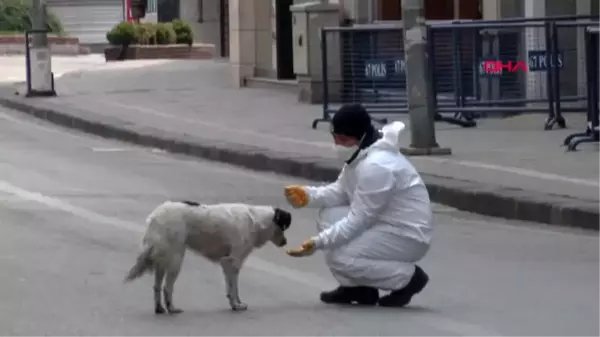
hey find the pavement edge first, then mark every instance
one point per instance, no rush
(463, 195)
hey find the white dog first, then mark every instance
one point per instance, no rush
(224, 233)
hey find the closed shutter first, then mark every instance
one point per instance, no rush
(88, 20)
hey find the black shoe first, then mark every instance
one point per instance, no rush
(402, 297)
(349, 295)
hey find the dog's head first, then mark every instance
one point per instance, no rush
(282, 220)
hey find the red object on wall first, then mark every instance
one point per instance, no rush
(127, 10)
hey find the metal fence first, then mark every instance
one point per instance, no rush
(541, 68)
(591, 134)
(365, 64)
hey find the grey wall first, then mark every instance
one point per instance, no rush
(206, 26)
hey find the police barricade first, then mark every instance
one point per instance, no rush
(591, 69)
(479, 68)
(364, 64)
(515, 66)
(569, 80)
(499, 68)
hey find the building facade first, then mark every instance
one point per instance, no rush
(256, 35)
(273, 29)
(258, 29)
(90, 20)
(265, 26)
(209, 20)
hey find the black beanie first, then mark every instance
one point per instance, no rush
(351, 120)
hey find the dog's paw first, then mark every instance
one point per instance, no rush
(239, 306)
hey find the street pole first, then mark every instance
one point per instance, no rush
(39, 23)
(418, 86)
(456, 10)
(39, 68)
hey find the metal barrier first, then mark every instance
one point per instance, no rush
(570, 83)
(365, 64)
(591, 133)
(526, 61)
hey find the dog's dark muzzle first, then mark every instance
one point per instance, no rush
(283, 242)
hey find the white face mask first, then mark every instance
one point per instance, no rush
(343, 152)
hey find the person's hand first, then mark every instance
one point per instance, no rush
(307, 248)
(296, 196)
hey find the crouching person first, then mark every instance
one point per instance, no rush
(374, 222)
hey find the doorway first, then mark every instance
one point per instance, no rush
(470, 9)
(224, 27)
(284, 40)
(167, 10)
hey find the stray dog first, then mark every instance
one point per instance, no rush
(223, 233)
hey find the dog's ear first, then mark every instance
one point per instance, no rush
(283, 219)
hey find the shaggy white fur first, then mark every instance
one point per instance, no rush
(223, 233)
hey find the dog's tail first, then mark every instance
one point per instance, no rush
(142, 265)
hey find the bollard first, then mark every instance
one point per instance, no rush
(38, 59)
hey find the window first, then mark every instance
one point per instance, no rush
(389, 10)
(152, 7)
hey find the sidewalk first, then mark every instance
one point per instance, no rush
(504, 167)
(12, 68)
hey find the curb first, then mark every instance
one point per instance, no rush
(488, 200)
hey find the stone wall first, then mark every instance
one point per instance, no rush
(59, 45)
(178, 51)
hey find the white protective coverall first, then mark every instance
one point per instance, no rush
(375, 220)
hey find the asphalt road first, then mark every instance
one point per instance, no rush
(72, 213)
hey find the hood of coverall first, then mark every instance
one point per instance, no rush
(390, 140)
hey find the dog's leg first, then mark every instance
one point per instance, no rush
(159, 275)
(172, 274)
(231, 270)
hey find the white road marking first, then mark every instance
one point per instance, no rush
(307, 279)
(110, 149)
